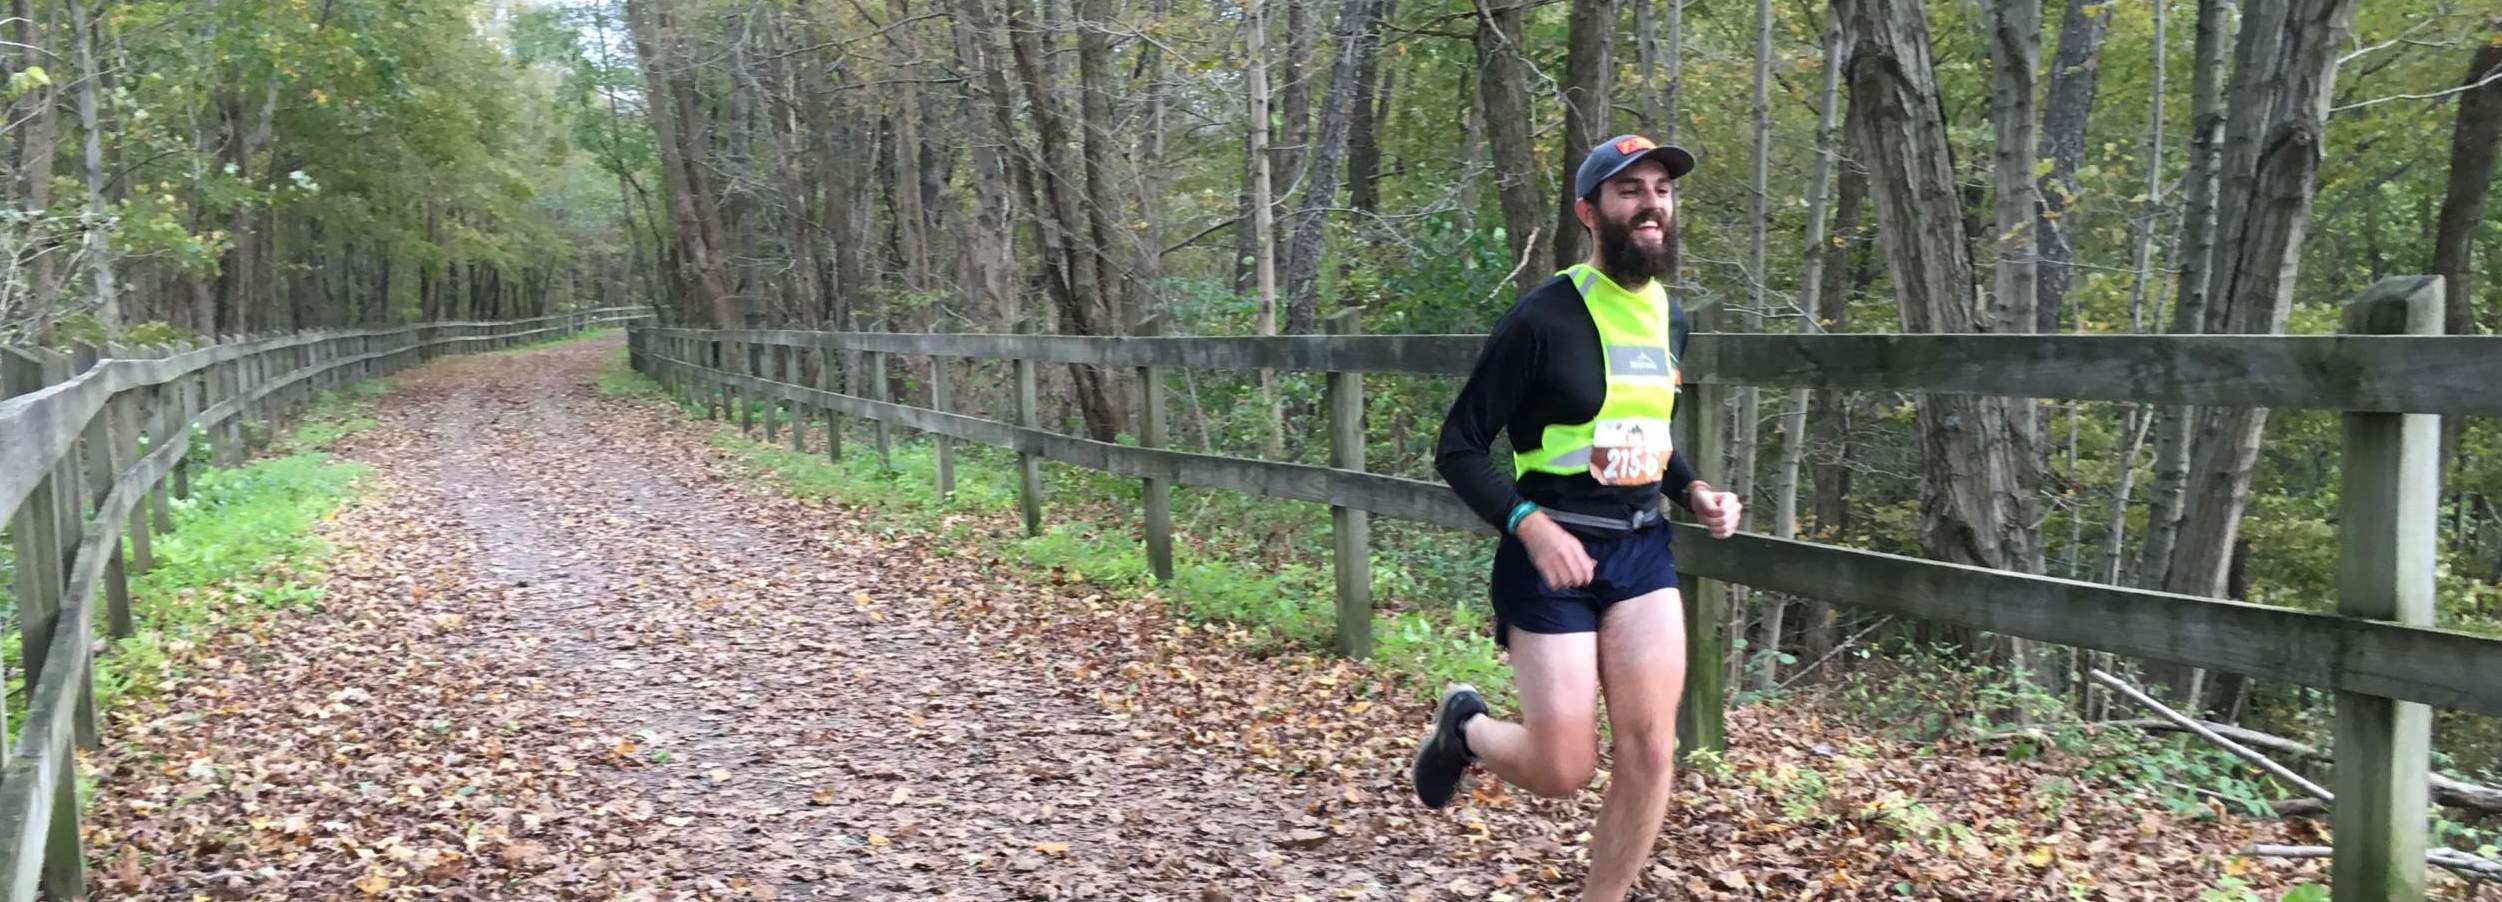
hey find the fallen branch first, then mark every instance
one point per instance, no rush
(1838, 649)
(2199, 729)
(2463, 864)
(2448, 791)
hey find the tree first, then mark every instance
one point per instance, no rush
(1811, 282)
(1589, 57)
(1503, 93)
(2474, 143)
(2284, 63)
(695, 216)
(1976, 506)
(2196, 252)
(1357, 33)
(2074, 75)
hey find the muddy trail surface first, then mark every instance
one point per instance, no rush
(568, 648)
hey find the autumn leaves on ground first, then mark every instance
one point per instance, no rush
(568, 648)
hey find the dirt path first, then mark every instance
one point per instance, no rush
(568, 650)
(797, 717)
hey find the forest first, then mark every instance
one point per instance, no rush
(179, 169)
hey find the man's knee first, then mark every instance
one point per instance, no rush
(1560, 773)
(1646, 753)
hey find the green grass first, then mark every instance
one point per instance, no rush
(544, 344)
(1260, 565)
(242, 545)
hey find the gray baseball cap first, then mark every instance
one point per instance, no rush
(1614, 154)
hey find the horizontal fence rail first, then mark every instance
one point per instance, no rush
(85, 453)
(2390, 371)
(2439, 667)
(2381, 373)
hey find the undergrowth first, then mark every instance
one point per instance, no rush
(1260, 565)
(242, 546)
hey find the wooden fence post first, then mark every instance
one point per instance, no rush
(1028, 467)
(746, 366)
(96, 482)
(1351, 528)
(2388, 509)
(792, 364)
(140, 414)
(195, 400)
(944, 446)
(833, 421)
(35, 529)
(878, 393)
(1151, 434)
(715, 357)
(1699, 714)
(768, 363)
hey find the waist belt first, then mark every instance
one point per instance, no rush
(1641, 518)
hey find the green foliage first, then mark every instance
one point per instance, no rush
(244, 542)
(1913, 690)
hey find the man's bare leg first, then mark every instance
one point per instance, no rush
(1554, 749)
(1641, 656)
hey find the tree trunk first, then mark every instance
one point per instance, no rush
(2196, 254)
(1149, 164)
(1503, 90)
(1064, 217)
(1811, 280)
(1828, 413)
(990, 249)
(2285, 66)
(1675, 64)
(2073, 77)
(1102, 198)
(2474, 143)
(2015, 57)
(1589, 59)
(1263, 222)
(1975, 504)
(1372, 106)
(1356, 34)
(99, 251)
(2140, 419)
(695, 218)
(1294, 87)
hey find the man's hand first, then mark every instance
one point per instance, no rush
(1559, 556)
(1719, 511)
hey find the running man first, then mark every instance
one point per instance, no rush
(1583, 374)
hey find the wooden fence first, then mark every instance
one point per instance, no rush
(91, 445)
(2392, 372)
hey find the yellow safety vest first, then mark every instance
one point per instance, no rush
(1628, 442)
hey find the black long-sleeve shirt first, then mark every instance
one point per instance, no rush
(1542, 365)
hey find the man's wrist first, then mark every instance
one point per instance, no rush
(1519, 512)
(1692, 489)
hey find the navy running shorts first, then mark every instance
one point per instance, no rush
(1629, 566)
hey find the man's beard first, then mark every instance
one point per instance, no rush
(1627, 261)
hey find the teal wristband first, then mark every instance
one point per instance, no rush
(1519, 511)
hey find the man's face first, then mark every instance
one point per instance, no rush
(1634, 215)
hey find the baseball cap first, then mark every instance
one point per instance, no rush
(1614, 154)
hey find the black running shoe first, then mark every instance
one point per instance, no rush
(1444, 755)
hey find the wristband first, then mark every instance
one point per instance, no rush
(1519, 511)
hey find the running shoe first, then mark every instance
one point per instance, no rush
(1444, 757)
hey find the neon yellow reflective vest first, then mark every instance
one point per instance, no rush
(1628, 443)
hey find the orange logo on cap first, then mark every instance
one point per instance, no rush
(1635, 143)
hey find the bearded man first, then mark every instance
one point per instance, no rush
(1583, 375)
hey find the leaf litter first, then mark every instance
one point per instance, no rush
(570, 650)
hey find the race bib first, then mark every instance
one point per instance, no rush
(1632, 451)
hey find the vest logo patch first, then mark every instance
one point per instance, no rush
(1650, 361)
